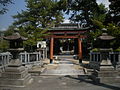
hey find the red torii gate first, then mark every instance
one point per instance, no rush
(67, 30)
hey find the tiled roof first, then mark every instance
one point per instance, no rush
(15, 36)
(105, 36)
(69, 26)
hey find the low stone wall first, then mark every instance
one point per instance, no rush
(25, 57)
(95, 57)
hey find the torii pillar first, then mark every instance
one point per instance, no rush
(51, 49)
(80, 50)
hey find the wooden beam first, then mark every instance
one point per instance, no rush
(67, 36)
(53, 32)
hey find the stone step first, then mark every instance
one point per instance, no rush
(64, 69)
(64, 56)
(65, 62)
(65, 72)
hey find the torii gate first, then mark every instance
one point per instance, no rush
(67, 30)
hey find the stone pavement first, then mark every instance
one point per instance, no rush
(65, 74)
(64, 67)
(64, 83)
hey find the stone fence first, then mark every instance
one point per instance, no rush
(4, 59)
(25, 57)
(95, 59)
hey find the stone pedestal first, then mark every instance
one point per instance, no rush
(15, 75)
(107, 73)
(15, 63)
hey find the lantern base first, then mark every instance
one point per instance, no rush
(15, 77)
(15, 63)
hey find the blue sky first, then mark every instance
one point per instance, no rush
(6, 19)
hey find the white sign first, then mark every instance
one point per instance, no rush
(41, 44)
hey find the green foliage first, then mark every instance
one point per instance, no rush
(35, 21)
(9, 31)
(3, 45)
(101, 15)
(114, 12)
(114, 31)
(95, 50)
(3, 5)
(117, 50)
(93, 34)
(82, 10)
(90, 13)
(97, 24)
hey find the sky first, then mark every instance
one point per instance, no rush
(6, 20)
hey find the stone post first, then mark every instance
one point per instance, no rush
(25, 57)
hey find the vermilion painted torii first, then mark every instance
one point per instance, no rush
(80, 50)
(51, 49)
(67, 30)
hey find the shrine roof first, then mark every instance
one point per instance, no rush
(68, 26)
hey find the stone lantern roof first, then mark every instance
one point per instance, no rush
(15, 36)
(105, 36)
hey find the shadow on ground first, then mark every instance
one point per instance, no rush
(87, 80)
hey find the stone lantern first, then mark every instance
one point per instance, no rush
(15, 47)
(15, 74)
(105, 48)
(107, 72)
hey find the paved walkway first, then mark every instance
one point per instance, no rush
(64, 83)
(64, 75)
(64, 67)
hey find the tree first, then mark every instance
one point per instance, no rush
(9, 31)
(114, 30)
(101, 15)
(82, 10)
(3, 5)
(3, 43)
(97, 21)
(114, 12)
(39, 16)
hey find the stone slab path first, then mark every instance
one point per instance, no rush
(64, 67)
(65, 75)
(64, 83)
